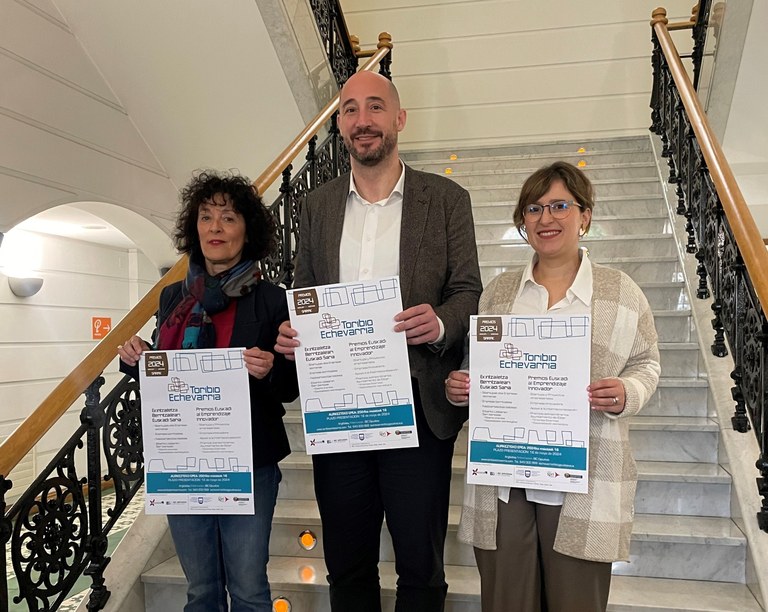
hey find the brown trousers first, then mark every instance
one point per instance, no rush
(525, 574)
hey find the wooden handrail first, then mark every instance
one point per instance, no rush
(34, 427)
(686, 25)
(742, 223)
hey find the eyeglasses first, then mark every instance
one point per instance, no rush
(559, 210)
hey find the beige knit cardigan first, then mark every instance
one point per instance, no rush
(597, 525)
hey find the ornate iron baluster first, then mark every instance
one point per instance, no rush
(123, 445)
(286, 190)
(49, 540)
(699, 38)
(92, 417)
(336, 41)
(6, 528)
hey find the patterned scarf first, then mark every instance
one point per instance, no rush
(189, 326)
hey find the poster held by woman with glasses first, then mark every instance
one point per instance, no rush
(549, 550)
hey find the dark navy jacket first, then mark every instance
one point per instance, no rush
(257, 317)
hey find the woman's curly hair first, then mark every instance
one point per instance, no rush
(260, 225)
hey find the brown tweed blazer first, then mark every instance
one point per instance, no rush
(597, 525)
(438, 266)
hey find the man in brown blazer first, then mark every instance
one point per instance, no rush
(383, 220)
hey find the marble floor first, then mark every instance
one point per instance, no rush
(80, 589)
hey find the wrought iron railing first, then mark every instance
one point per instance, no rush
(56, 528)
(338, 44)
(732, 260)
(59, 531)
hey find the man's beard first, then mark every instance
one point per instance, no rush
(371, 156)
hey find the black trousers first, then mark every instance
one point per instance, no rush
(411, 487)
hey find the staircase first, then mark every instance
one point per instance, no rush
(686, 552)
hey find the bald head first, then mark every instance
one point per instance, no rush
(370, 82)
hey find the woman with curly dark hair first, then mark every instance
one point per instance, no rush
(225, 229)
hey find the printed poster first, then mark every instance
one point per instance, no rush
(354, 376)
(196, 423)
(529, 413)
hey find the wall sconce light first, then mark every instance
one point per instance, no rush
(24, 287)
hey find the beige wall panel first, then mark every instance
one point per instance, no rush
(488, 72)
(70, 165)
(20, 362)
(21, 323)
(18, 192)
(77, 115)
(469, 19)
(527, 122)
(82, 258)
(55, 254)
(480, 89)
(101, 294)
(17, 400)
(21, 33)
(148, 274)
(52, 441)
(446, 58)
(49, 10)
(354, 7)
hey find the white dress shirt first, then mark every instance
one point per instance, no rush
(370, 239)
(532, 299)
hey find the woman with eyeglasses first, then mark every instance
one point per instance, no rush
(547, 550)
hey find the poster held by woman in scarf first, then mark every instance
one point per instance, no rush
(196, 427)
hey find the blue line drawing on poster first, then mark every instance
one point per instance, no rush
(207, 362)
(195, 465)
(350, 402)
(359, 294)
(532, 436)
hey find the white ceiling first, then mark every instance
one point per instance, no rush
(115, 104)
(72, 222)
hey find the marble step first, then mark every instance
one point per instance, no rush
(536, 150)
(689, 548)
(661, 545)
(687, 489)
(680, 359)
(637, 594)
(640, 187)
(676, 488)
(472, 178)
(605, 247)
(686, 397)
(619, 206)
(667, 296)
(653, 438)
(663, 438)
(674, 439)
(673, 325)
(469, 161)
(302, 581)
(646, 268)
(601, 226)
